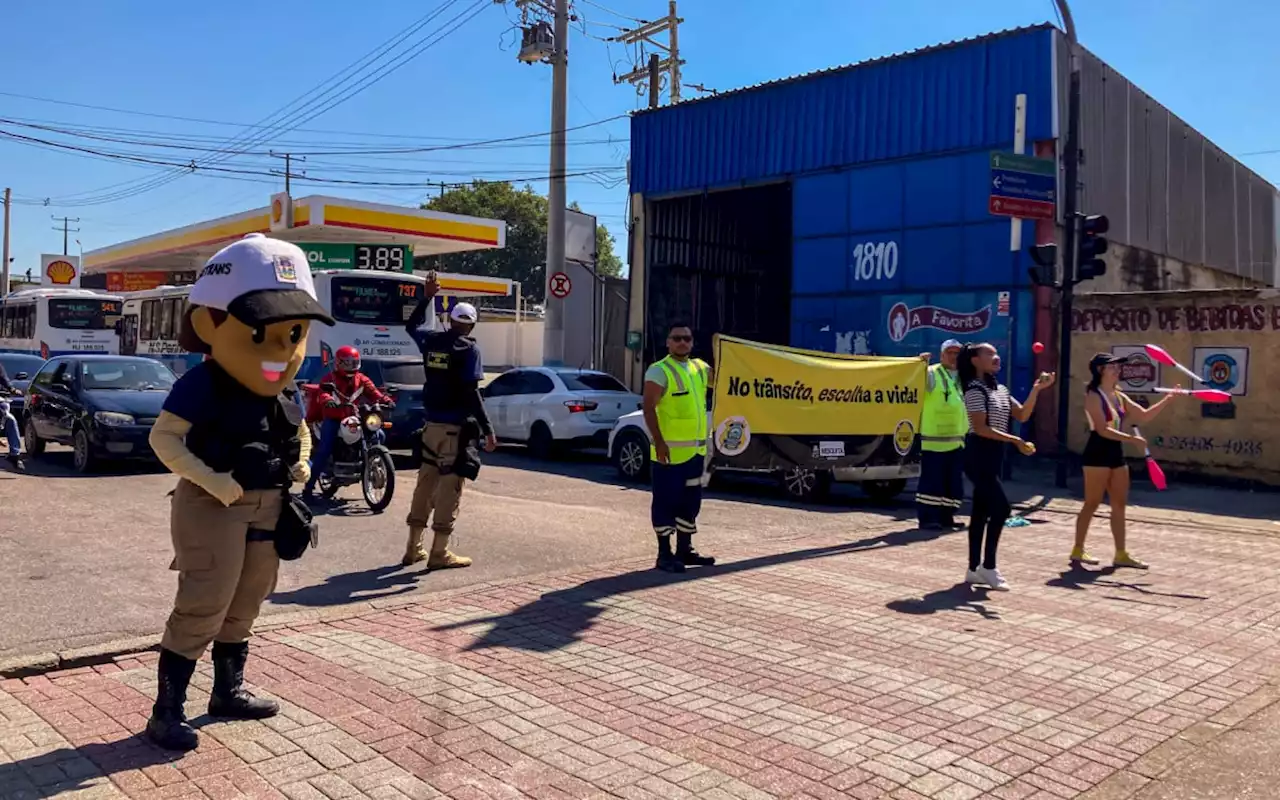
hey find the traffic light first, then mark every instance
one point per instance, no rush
(1045, 272)
(1092, 246)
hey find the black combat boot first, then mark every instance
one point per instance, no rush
(689, 557)
(230, 700)
(668, 561)
(168, 726)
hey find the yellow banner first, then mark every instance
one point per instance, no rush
(769, 389)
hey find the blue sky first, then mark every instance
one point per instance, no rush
(1216, 70)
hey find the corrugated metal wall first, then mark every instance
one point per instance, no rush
(1164, 186)
(949, 98)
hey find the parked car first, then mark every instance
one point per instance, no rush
(629, 444)
(103, 406)
(549, 408)
(20, 367)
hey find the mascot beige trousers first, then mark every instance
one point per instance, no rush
(439, 489)
(223, 578)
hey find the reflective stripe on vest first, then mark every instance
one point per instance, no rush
(682, 412)
(944, 421)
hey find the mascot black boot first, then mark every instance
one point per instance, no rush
(168, 726)
(230, 700)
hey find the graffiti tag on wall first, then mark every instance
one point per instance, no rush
(1210, 444)
(1170, 319)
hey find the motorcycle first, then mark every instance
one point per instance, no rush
(359, 455)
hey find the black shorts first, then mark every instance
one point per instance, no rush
(1100, 452)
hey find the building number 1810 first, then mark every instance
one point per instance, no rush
(875, 261)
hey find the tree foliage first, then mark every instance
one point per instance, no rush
(525, 212)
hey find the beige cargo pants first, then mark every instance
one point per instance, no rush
(438, 495)
(223, 578)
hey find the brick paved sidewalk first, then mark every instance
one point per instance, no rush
(814, 669)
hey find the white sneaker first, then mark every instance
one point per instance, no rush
(993, 578)
(971, 577)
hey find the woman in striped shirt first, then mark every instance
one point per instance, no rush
(990, 408)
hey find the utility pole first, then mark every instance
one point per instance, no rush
(655, 80)
(4, 271)
(66, 230)
(553, 333)
(288, 168)
(1070, 203)
(671, 64)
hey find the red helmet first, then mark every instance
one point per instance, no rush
(347, 360)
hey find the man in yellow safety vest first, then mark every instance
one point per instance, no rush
(943, 425)
(675, 412)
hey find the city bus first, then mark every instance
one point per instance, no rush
(51, 322)
(149, 326)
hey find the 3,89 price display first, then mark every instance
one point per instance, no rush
(382, 258)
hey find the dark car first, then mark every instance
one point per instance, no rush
(103, 406)
(21, 368)
(402, 379)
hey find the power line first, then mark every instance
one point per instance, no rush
(305, 109)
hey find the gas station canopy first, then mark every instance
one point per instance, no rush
(315, 219)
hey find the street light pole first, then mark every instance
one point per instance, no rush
(1070, 203)
(553, 332)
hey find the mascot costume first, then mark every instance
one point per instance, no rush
(234, 434)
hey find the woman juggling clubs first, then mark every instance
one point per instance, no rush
(990, 407)
(1106, 474)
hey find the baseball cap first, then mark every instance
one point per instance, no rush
(259, 280)
(948, 344)
(464, 312)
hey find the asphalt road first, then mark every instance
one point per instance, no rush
(85, 559)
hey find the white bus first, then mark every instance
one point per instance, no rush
(369, 310)
(149, 326)
(52, 322)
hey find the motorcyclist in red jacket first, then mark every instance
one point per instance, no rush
(352, 387)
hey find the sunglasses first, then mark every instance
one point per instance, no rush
(680, 338)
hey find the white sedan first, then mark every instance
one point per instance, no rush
(552, 407)
(629, 450)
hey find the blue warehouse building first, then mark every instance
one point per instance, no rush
(847, 210)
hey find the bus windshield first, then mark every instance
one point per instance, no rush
(366, 301)
(84, 313)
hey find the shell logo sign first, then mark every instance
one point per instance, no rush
(59, 270)
(281, 211)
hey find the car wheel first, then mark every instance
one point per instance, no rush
(631, 456)
(32, 442)
(883, 491)
(541, 443)
(801, 483)
(82, 457)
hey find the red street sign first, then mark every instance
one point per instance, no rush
(1025, 209)
(560, 285)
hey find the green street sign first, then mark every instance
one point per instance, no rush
(1015, 163)
(372, 257)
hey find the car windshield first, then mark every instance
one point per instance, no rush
(576, 381)
(14, 364)
(137, 376)
(383, 373)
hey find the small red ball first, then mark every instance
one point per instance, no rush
(1037, 348)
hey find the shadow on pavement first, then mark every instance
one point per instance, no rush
(592, 465)
(59, 464)
(1078, 578)
(556, 619)
(71, 769)
(371, 584)
(961, 597)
